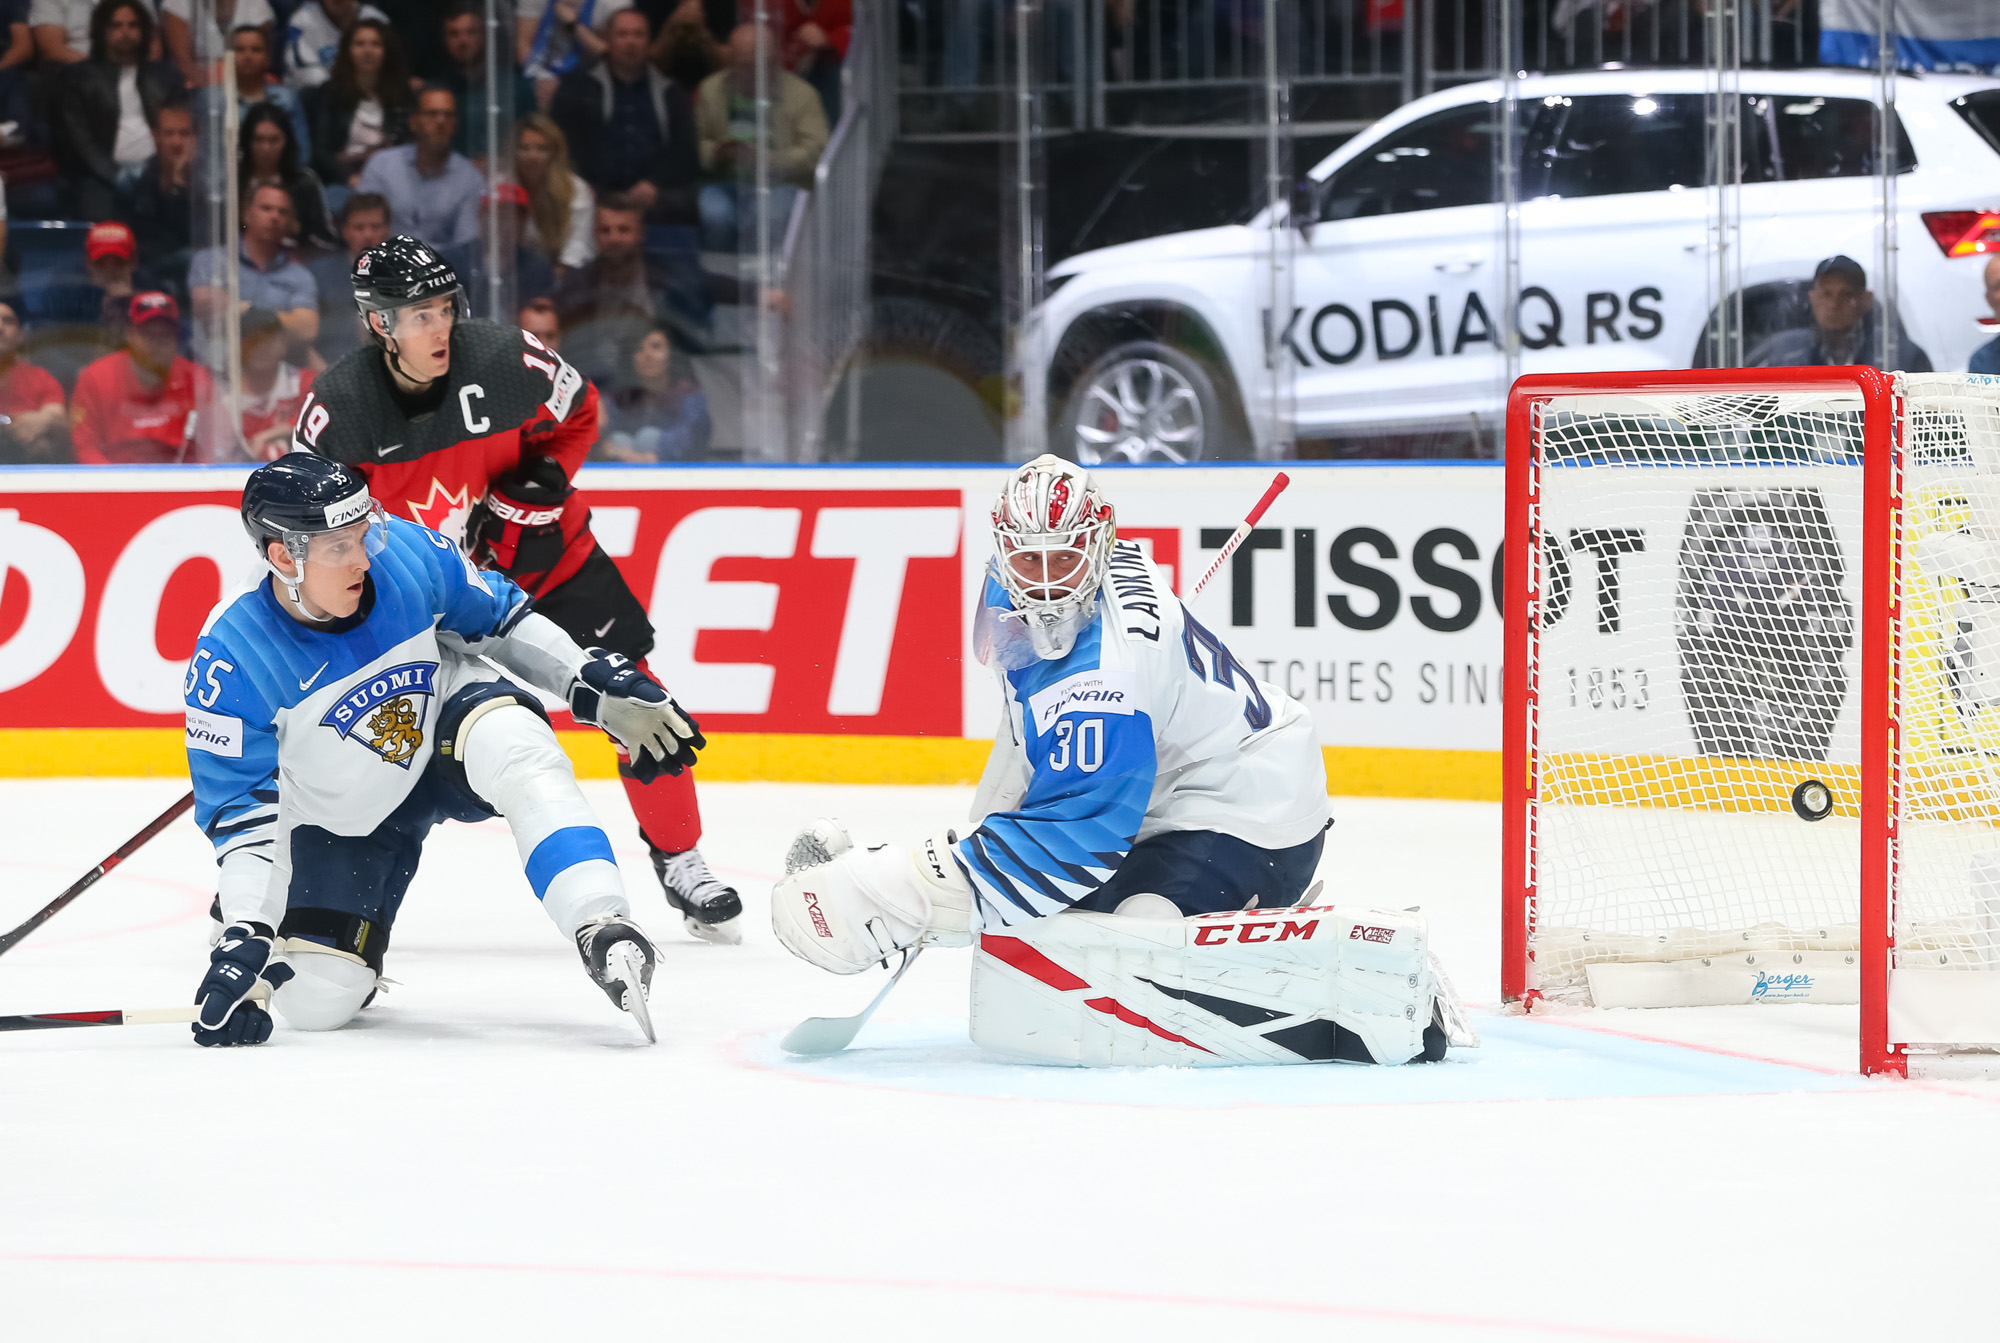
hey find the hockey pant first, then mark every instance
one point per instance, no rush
(494, 755)
(1206, 872)
(595, 607)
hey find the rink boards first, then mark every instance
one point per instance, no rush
(818, 619)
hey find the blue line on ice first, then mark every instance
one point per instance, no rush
(1520, 1059)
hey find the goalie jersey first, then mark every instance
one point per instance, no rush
(331, 725)
(1147, 725)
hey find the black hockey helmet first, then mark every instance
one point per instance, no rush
(301, 496)
(400, 272)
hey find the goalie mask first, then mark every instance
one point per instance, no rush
(1052, 531)
(319, 510)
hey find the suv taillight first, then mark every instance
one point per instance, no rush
(1965, 232)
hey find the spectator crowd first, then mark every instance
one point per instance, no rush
(616, 206)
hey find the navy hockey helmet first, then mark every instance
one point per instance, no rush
(301, 496)
(398, 273)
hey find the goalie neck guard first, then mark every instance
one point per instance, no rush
(1052, 531)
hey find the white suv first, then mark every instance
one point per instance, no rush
(1155, 350)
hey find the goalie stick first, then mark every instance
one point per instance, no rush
(91, 878)
(1242, 531)
(818, 1036)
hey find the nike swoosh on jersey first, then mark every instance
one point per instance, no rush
(603, 629)
(384, 452)
(308, 682)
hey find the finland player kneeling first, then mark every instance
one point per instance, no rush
(339, 710)
(1169, 806)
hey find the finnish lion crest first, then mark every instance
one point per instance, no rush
(398, 729)
(385, 713)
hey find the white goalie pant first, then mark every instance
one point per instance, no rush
(1260, 986)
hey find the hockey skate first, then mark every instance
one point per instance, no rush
(617, 954)
(709, 908)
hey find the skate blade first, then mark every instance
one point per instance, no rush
(728, 933)
(630, 963)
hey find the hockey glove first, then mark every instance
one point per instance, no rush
(517, 527)
(612, 692)
(246, 956)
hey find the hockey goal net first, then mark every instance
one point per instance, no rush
(1752, 739)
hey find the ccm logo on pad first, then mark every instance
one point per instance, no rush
(819, 919)
(1364, 933)
(1254, 932)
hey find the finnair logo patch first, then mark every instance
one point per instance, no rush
(385, 709)
(217, 734)
(348, 510)
(1100, 691)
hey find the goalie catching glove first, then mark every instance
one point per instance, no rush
(517, 528)
(858, 906)
(245, 957)
(614, 693)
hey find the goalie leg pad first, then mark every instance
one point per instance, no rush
(1288, 986)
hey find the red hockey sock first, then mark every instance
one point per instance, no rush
(669, 816)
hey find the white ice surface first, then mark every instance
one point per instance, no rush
(491, 1153)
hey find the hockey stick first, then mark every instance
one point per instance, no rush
(90, 878)
(829, 1035)
(1243, 529)
(142, 1016)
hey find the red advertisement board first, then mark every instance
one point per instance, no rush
(777, 610)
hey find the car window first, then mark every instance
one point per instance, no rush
(1981, 111)
(1789, 138)
(1613, 144)
(1446, 159)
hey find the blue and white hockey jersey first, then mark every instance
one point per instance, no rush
(1147, 725)
(332, 726)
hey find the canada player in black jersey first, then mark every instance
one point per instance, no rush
(475, 429)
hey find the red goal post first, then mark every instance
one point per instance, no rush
(1752, 696)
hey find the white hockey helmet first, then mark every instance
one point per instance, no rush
(1052, 529)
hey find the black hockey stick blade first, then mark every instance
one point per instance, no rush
(817, 1036)
(91, 878)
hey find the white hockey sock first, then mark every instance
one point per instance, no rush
(512, 760)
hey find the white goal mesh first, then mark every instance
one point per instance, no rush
(1695, 665)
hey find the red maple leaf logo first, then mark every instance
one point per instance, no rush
(444, 511)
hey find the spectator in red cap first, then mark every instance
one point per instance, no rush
(83, 316)
(144, 403)
(37, 428)
(528, 274)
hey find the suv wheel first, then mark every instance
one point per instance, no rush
(1143, 402)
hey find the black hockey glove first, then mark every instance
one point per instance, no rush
(612, 692)
(246, 956)
(517, 527)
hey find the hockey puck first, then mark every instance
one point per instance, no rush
(1812, 800)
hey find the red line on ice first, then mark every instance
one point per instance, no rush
(900, 1284)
